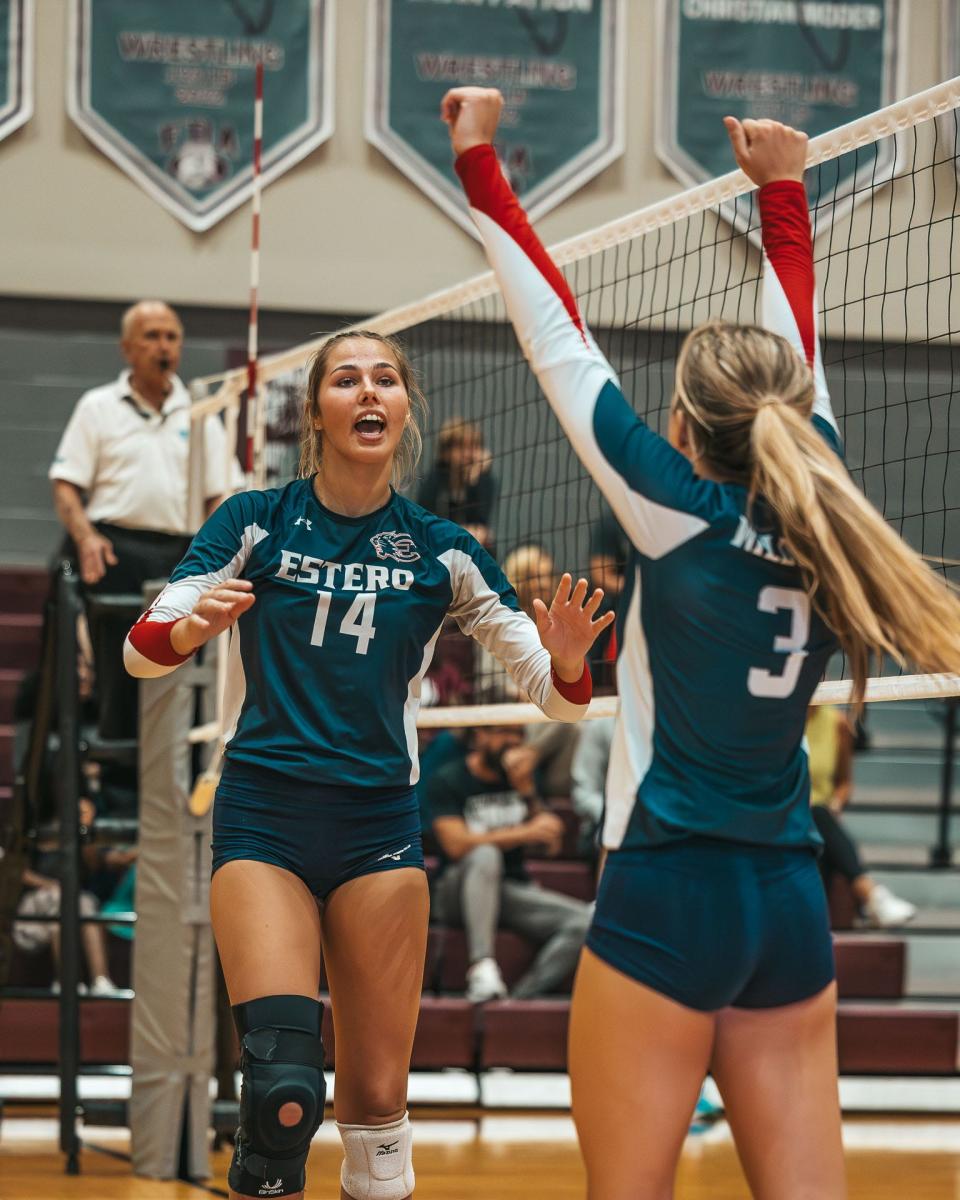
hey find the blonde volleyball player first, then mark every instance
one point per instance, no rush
(338, 587)
(754, 557)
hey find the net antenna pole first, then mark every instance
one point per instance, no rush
(205, 785)
(256, 407)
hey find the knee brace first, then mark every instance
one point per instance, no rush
(281, 1062)
(377, 1160)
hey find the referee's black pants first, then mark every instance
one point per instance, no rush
(142, 555)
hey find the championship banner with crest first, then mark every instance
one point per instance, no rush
(16, 64)
(167, 90)
(557, 62)
(813, 64)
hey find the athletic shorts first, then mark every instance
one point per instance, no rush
(711, 924)
(324, 835)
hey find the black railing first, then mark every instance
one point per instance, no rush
(68, 797)
(941, 855)
(58, 709)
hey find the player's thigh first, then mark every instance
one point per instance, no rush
(637, 1061)
(375, 939)
(267, 928)
(777, 1071)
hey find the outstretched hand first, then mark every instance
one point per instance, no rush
(472, 114)
(214, 612)
(766, 150)
(567, 629)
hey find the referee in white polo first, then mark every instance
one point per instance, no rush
(120, 485)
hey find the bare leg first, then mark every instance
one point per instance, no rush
(375, 940)
(777, 1071)
(95, 946)
(92, 937)
(862, 888)
(637, 1063)
(267, 928)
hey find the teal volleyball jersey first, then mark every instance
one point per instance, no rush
(720, 645)
(325, 669)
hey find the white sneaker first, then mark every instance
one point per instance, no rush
(103, 985)
(484, 982)
(883, 909)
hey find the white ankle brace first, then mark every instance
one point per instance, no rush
(378, 1160)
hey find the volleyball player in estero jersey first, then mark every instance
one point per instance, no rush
(339, 587)
(754, 556)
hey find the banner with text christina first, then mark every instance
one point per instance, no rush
(556, 62)
(813, 64)
(167, 90)
(16, 64)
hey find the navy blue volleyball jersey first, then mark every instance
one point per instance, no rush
(720, 646)
(325, 669)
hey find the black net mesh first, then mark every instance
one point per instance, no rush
(495, 458)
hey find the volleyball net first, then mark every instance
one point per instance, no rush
(884, 197)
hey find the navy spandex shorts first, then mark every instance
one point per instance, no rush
(325, 835)
(711, 924)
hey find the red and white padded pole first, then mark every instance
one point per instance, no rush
(255, 417)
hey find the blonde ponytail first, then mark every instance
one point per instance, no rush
(752, 407)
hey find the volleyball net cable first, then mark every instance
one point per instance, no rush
(884, 195)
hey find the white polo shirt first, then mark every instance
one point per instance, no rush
(132, 460)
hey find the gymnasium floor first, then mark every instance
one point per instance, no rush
(466, 1155)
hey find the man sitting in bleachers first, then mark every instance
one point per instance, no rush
(484, 818)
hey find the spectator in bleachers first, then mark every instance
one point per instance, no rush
(588, 777)
(531, 571)
(830, 760)
(484, 823)
(461, 485)
(609, 553)
(547, 750)
(120, 487)
(41, 898)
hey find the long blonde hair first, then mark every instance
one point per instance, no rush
(410, 446)
(750, 398)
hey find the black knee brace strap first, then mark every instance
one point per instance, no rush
(281, 1062)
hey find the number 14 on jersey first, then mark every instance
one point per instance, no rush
(357, 622)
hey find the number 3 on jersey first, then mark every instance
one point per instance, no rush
(358, 621)
(760, 681)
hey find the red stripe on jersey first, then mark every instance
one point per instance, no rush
(785, 223)
(577, 693)
(489, 193)
(152, 640)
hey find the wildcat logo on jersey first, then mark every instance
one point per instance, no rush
(400, 546)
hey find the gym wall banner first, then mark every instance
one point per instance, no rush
(166, 91)
(557, 62)
(811, 65)
(951, 38)
(16, 64)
